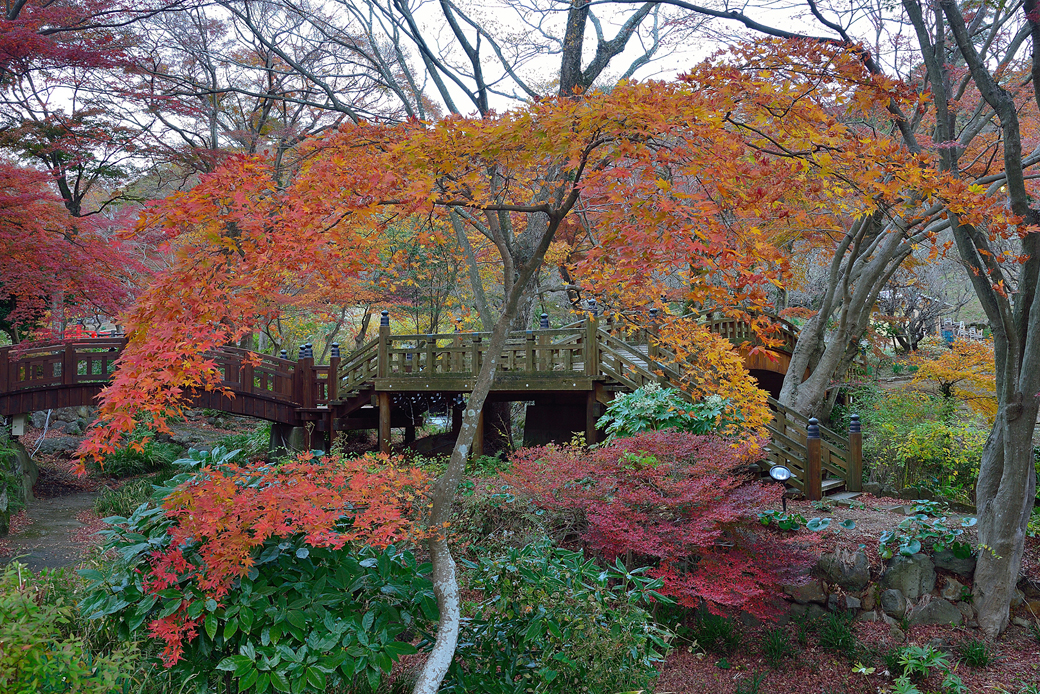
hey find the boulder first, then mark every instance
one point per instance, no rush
(967, 611)
(965, 568)
(952, 591)
(893, 602)
(850, 571)
(912, 576)
(868, 616)
(872, 488)
(869, 598)
(60, 444)
(809, 592)
(852, 604)
(808, 611)
(1017, 598)
(936, 611)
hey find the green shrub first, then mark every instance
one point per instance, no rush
(913, 439)
(310, 616)
(253, 444)
(652, 408)
(141, 454)
(35, 654)
(715, 633)
(123, 501)
(552, 621)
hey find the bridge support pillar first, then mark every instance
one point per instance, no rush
(286, 439)
(384, 421)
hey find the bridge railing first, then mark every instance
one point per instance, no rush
(543, 351)
(58, 364)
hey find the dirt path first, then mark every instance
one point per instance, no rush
(50, 540)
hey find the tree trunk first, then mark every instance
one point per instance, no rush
(1004, 496)
(445, 581)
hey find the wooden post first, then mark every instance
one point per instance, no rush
(431, 355)
(5, 368)
(245, 372)
(310, 378)
(813, 470)
(476, 355)
(384, 422)
(334, 360)
(590, 418)
(478, 438)
(529, 366)
(383, 367)
(545, 353)
(591, 346)
(68, 365)
(651, 336)
(456, 420)
(854, 482)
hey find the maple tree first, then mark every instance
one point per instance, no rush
(965, 372)
(673, 500)
(48, 265)
(976, 124)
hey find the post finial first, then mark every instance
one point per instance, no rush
(813, 430)
(854, 424)
(384, 318)
(653, 314)
(543, 321)
(302, 353)
(592, 307)
(283, 354)
(335, 349)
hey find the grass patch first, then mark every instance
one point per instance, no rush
(977, 653)
(777, 647)
(836, 635)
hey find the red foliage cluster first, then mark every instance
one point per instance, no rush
(677, 501)
(224, 515)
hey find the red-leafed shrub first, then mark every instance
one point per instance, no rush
(680, 502)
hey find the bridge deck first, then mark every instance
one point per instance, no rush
(391, 378)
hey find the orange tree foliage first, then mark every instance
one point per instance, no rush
(966, 372)
(695, 178)
(789, 156)
(675, 501)
(219, 518)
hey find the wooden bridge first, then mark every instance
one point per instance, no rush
(568, 374)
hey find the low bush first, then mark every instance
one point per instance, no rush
(653, 408)
(141, 454)
(36, 655)
(553, 621)
(715, 633)
(677, 502)
(256, 575)
(913, 439)
(253, 444)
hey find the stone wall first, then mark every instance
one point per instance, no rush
(917, 590)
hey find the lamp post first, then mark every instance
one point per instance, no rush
(781, 474)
